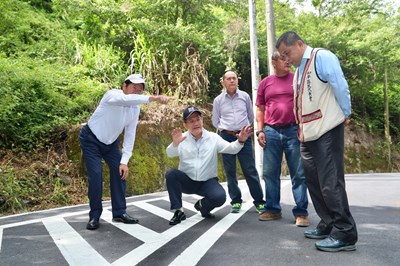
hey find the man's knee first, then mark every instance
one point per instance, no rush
(219, 198)
(170, 174)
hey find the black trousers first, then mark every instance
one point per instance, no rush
(323, 161)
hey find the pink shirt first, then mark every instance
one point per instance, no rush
(276, 94)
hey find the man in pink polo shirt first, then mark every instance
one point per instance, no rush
(277, 134)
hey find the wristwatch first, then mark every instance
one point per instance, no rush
(258, 132)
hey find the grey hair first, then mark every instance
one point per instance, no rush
(226, 71)
(288, 39)
(275, 55)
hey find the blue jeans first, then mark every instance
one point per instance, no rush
(279, 141)
(247, 163)
(178, 182)
(93, 153)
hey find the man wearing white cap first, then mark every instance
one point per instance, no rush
(117, 112)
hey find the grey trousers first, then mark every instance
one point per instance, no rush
(323, 161)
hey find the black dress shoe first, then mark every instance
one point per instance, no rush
(126, 219)
(177, 218)
(208, 215)
(93, 224)
(315, 234)
(198, 207)
(333, 245)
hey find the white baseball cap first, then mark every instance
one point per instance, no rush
(136, 79)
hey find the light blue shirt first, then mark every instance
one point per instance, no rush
(329, 70)
(232, 112)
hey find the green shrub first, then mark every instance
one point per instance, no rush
(38, 99)
(13, 191)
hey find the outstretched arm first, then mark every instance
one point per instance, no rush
(159, 98)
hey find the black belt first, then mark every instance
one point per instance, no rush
(282, 126)
(231, 132)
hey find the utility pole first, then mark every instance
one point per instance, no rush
(270, 23)
(255, 78)
(387, 121)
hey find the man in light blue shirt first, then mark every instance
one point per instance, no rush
(328, 69)
(232, 110)
(322, 108)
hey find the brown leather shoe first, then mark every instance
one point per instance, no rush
(269, 216)
(302, 221)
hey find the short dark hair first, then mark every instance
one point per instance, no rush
(288, 39)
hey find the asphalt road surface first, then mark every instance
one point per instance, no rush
(59, 236)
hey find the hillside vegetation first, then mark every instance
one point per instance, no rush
(60, 56)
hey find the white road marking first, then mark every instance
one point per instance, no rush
(39, 220)
(146, 249)
(193, 254)
(1, 237)
(154, 209)
(72, 246)
(136, 230)
(196, 251)
(78, 252)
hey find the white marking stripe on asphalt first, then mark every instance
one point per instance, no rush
(143, 251)
(77, 251)
(154, 209)
(1, 237)
(136, 230)
(146, 249)
(198, 248)
(39, 220)
(193, 254)
(72, 246)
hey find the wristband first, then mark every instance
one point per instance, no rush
(258, 132)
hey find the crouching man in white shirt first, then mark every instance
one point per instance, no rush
(197, 149)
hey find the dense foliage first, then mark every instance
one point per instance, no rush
(58, 57)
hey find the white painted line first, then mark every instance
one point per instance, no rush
(1, 237)
(148, 248)
(196, 251)
(63, 214)
(72, 246)
(43, 211)
(145, 250)
(136, 230)
(39, 220)
(193, 254)
(154, 210)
